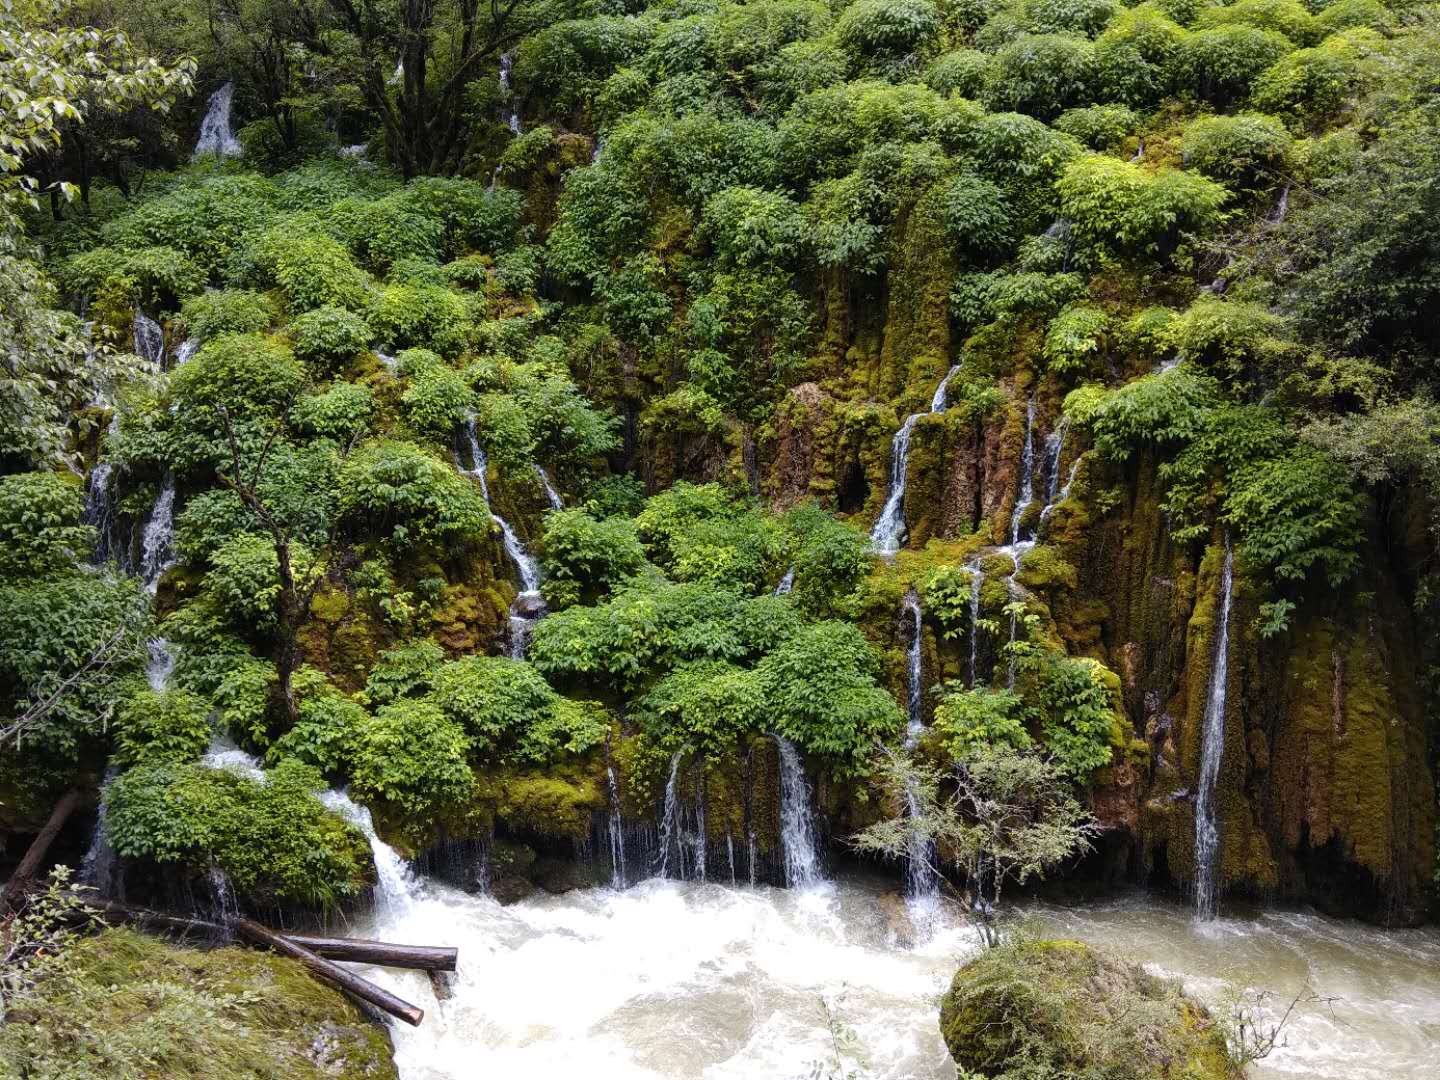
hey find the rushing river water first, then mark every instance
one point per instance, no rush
(691, 980)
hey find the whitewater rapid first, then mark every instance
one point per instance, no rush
(702, 981)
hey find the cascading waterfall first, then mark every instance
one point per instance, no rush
(1282, 207)
(215, 134)
(1212, 749)
(149, 339)
(529, 605)
(798, 835)
(787, 583)
(889, 527)
(551, 495)
(188, 348)
(224, 754)
(157, 542)
(395, 885)
(977, 579)
(617, 832)
(508, 111)
(100, 867)
(670, 820)
(922, 887)
(1027, 484)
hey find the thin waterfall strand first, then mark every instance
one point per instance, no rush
(1212, 750)
(798, 835)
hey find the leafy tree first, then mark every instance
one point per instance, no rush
(969, 722)
(40, 530)
(1003, 818)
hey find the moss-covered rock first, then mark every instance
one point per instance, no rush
(134, 1006)
(1062, 1008)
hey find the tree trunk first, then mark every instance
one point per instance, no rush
(19, 880)
(383, 953)
(348, 981)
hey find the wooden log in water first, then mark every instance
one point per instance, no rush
(24, 873)
(109, 911)
(346, 980)
(383, 953)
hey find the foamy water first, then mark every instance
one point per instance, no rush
(691, 980)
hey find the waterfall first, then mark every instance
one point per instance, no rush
(1282, 207)
(1212, 749)
(1027, 481)
(224, 754)
(889, 527)
(100, 865)
(100, 507)
(529, 605)
(1062, 494)
(669, 819)
(390, 363)
(395, 885)
(188, 348)
(787, 583)
(157, 543)
(224, 907)
(551, 495)
(617, 832)
(149, 338)
(920, 880)
(508, 112)
(797, 821)
(977, 579)
(160, 664)
(215, 135)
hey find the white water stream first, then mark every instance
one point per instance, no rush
(1212, 750)
(215, 135)
(704, 981)
(889, 530)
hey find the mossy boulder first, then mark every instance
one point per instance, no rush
(134, 1006)
(1061, 1008)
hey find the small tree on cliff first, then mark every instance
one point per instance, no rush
(1000, 817)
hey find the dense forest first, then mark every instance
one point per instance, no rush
(552, 443)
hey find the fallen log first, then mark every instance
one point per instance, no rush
(108, 911)
(348, 981)
(39, 847)
(383, 953)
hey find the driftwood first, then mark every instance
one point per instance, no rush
(108, 911)
(39, 847)
(346, 980)
(362, 951)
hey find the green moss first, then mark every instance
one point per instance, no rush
(1062, 1008)
(549, 804)
(137, 1007)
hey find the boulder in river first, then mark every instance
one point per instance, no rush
(1064, 1009)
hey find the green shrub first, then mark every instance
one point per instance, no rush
(328, 334)
(1041, 75)
(976, 216)
(325, 734)
(157, 278)
(273, 839)
(395, 489)
(411, 756)
(1086, 17)
(1075, 338)
(703, 708)
(585, 557)
(1167, 409)
(340, 412)
(877, 33)
(830, 560)
(311, 270)
(245, 577)
(403, 671)
(1246, 152)
(960, 72)
(165, 727)
(437, 399)
(1098, 126)
(1135, 58)
(1221, 65)
(40, 529)
(969, 721)
(1315, 84)
(420, 316)
(226, 311)
(1117, 208)
(1287, 17)
(381, 232)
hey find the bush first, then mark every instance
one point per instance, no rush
(830, 560)
(273, 839)
(585, 557)
(976, 216)
(325, 734)
(226, 311)
(820, 689)
(1075, 338)
(245, 577)
(412, 757)
(1246, 152)
(1221, 65)
(1098, 126)
(1086, 17)
(968, 722)
(340, 412)
(1116, 208)
(396, 489)
(40, 529)
(1163, 410)
(960, 72)
(421, 316)
(1287, 17)
(1314, 84)
(328, 334)
(437, 399)
(1135, 57)
(703, 708)
(165, 727)
(311, 270)
(381, 232)
(880, 33)
(1041, 75)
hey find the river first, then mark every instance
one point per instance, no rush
(691, 980)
